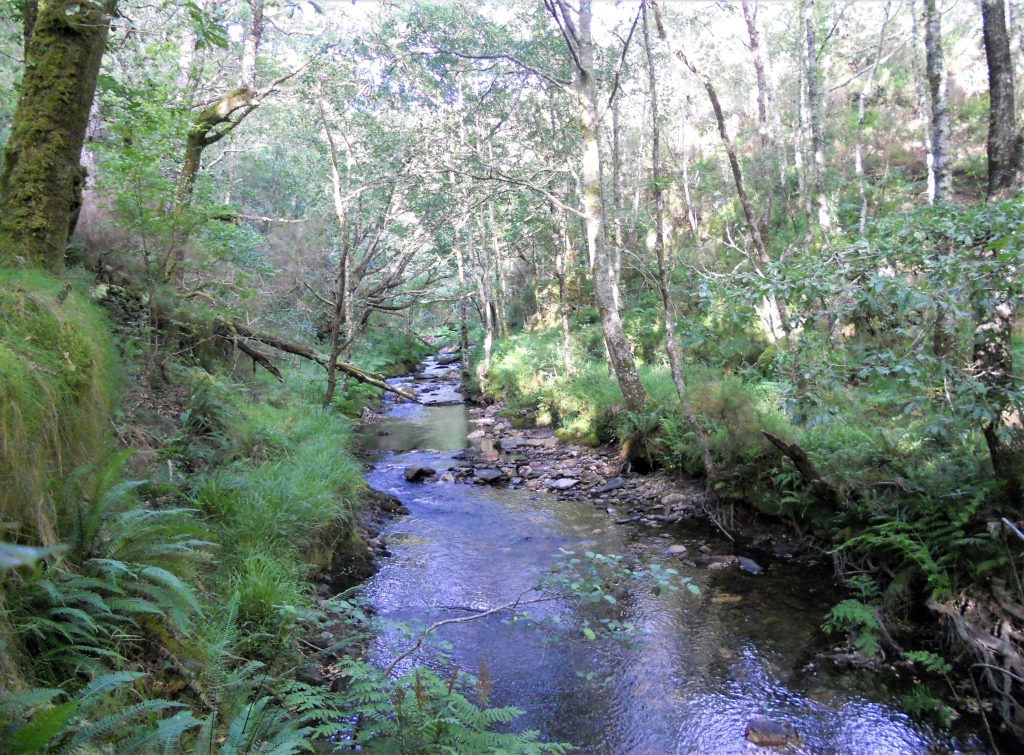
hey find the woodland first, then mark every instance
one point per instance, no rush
(776, 247)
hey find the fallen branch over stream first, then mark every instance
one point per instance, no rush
(239, 334)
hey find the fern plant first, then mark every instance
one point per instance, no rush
(52, 722)
(418, 714)
(123, 561)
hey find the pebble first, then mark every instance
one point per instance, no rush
(676, 550)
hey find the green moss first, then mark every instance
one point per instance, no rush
(56, 385)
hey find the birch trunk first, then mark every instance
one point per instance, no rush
(924, 110)
(816, 121)
(938, 88)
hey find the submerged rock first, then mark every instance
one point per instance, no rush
(764, 732)
(676, 550)
(417, 474)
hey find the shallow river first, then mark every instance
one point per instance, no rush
(704, 665)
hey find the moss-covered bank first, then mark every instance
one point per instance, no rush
(58, 377)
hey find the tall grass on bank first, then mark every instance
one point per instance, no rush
(57, 382)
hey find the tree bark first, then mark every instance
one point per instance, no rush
(938, 87)
(1004, 139)
(42, 178)
(620, 356)
(664, 273)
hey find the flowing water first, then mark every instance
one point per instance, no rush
(703, 666)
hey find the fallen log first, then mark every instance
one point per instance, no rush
(258, 358)
(237, 332)
(824, 489)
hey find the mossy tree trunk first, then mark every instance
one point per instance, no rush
(42, 178)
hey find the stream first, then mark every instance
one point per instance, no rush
(703, 666)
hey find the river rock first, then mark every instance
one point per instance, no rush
(447, 477)
(489, 455)
(448, 359)
(310, 674)
(611, 485)
(672, 499)
(716, 562)
(476, 435)
(563, 484)
(676, 550)
(508, 444)
(417, 474)
(764, 732)
(469, 454)
(489, 476)
(750, 566)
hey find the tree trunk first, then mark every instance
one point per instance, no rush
(861, 106)
(993, 337)
(1004, 140)
(938, 87)
(664, 273)
(620, 355)
(563, 250)
(924, 112)
(463, 323)
(479, 267)
(993, 364)
(28, 19)
(42, 179)
(228, 111)
(799, 140)
(816, 117)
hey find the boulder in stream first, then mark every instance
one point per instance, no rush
(418, 474)
(764, 732)
(489, 476)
